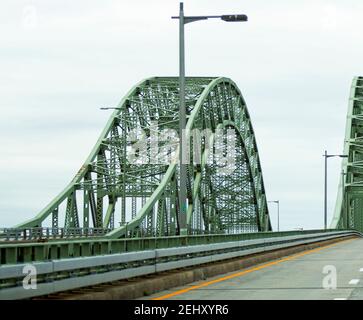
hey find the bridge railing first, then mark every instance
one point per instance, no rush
(70, 246)
(31, 234)
(111, 260)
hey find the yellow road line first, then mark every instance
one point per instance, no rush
(241, 273)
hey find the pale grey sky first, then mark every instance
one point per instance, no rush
(60, 61)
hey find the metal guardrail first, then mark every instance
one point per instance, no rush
(67, 274)
(43, 250)
(14, 234)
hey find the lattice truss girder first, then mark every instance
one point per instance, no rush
(134, 191)
(349, 206)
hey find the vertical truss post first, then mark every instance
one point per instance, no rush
(55, 221)
(99, 197)
(86, 202)
(123, 166)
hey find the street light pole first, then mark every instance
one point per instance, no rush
(326, 156)
(325, 189)
(344, 202)
(182, 122)
(278, 215)
(183, 152)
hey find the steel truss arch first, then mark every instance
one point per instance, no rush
(142, 197)
(348, 212)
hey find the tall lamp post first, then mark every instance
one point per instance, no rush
(183, 159)
(278, 212)
(326, 156)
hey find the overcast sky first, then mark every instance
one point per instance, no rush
(61, 60)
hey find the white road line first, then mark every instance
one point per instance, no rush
(340, 298)
(354, 281)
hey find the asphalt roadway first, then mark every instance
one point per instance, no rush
(333, 272)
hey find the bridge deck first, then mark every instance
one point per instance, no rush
(295, 277)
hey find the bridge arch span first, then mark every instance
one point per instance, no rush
(131, 197)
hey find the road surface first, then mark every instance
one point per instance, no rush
(330, 272)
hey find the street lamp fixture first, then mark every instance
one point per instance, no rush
(110, 108)
(326, 156)
(183, 160)
(226, 18)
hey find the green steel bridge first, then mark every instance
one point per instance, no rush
(119, 216)
(139, 198)
(349, 205)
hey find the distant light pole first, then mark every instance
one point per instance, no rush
(344, 202)
(326, 156)
(278, 212)
(182, 112)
